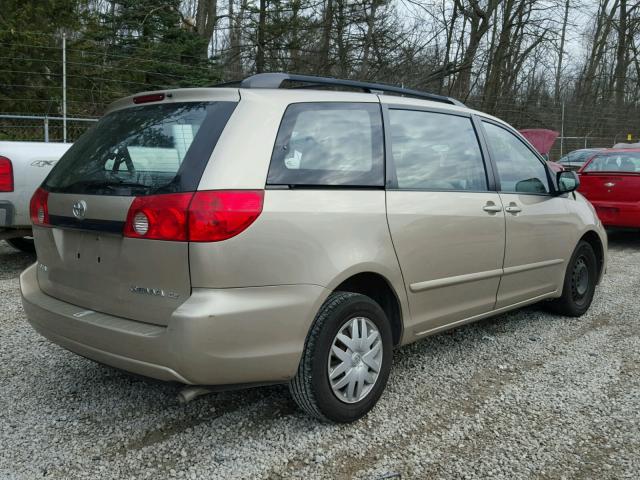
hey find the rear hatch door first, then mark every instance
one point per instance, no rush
(84, 258)
(602, 187)
(91, 264)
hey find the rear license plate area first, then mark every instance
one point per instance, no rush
(607, 213)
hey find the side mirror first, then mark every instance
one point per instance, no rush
(568, 181)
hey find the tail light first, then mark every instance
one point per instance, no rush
(39, 208)
(159, 217)
(218, 215)
(6, 175)
(206, 216)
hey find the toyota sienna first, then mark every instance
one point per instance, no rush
(262, 233)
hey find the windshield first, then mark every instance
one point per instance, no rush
(144, 150)
(628, 162)
(577, 156)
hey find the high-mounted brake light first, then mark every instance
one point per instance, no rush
(152, 97)
(206, 216)
(6, 175)
(39, 208)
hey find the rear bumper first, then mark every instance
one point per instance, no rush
(8, 226)
(7, 212)
(216, 337)
(618, 214)
(14, 233)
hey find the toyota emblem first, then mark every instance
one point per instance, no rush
(80, 209)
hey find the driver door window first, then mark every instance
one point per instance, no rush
(519, 169)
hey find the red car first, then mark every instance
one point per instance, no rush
(610, 180)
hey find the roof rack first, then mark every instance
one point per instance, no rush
(275, 80)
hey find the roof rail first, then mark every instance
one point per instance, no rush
(275, 80)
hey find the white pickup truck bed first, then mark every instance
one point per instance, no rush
(31, 163)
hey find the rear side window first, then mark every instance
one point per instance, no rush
(330, 144)
(619, 162)
(144, 150)
(436, 151)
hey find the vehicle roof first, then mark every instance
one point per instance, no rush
(178, 95)
(12, 143)
(288, 95)
(12, 148)
(619, 150)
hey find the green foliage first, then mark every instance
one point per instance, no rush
(114, 48)
(497, 55)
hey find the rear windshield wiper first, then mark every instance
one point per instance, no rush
(124, 184)
(93, 185)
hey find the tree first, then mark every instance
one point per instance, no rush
(565, 20)
(262, 26)
(206, 19)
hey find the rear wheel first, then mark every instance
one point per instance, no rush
(24, 244)
(579, 282)
(346, 360)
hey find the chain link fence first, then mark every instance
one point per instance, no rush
(40, 128)
(33, 101)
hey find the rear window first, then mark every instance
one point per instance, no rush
(618, 162)
(144, 150)
(330, 144)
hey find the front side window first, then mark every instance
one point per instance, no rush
(436, 151)
(332, 144)
(617, 162)
(519, 169)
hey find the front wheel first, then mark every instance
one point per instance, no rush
(23, 244)
(579, 282)
(346, 359)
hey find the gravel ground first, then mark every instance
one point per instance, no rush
(522, 395)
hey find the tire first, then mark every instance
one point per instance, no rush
(578, 290)
(311, 387)
(23, 244)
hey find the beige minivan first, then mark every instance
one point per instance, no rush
(266, 233)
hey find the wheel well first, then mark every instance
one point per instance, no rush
(376, 287)
(594, 240)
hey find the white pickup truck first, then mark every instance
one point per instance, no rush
(23, 167)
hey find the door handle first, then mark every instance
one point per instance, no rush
(609, 184)
(513, 208)
(492, 207)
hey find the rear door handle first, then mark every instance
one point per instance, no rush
(492, 207)
(513, 209)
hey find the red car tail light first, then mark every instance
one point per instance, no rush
(6, 175)
(39, 208)
(159, 217)
(221, 214)
(206, 216)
